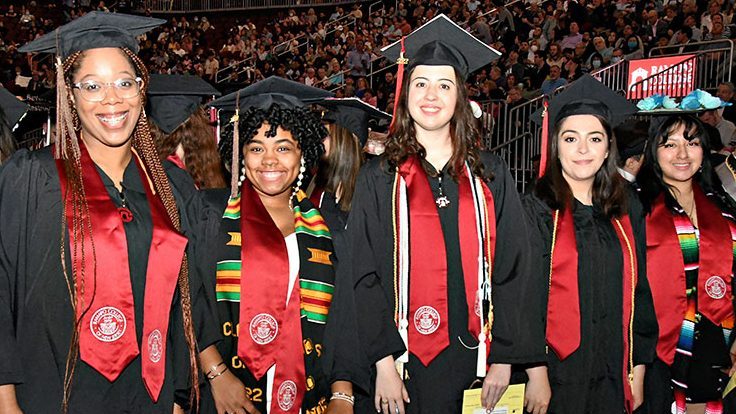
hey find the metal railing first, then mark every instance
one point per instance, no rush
(281, 49)
(508, 131)
(705, 70)
(676, 81)
(188, 6)
(671, 50)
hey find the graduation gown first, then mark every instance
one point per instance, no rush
(369, 231)
(590, 379)
(321, 370)
(36, 316)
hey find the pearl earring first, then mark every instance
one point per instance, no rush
(299, 179)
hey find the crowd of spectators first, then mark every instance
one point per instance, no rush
(544, 44)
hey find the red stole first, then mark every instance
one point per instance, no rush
(107, 340)
(272, 327)
(428, 300)
(666, 270)
(563, 307)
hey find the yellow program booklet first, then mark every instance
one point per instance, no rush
(511, 402)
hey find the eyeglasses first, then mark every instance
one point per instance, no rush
(93, 91)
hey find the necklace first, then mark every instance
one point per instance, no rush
(442, 201)
(125, 214)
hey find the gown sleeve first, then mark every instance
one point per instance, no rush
(538, 219)
(345, 359)
(513, 341)
(646, 330)
(368, 236)
(18, 184)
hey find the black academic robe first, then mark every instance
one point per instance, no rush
(369, 234)
(590, 380)
(35, 312)
(322, 367)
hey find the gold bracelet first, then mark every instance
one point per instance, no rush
(344, 397)
(212, 374)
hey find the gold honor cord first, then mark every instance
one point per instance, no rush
(555, 220)
(633, 290)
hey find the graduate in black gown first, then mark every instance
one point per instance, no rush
(596, 310)
(275, 277)
(182, 129)
(438, 241)
(332, 189)
(12, 110)
(99, 277)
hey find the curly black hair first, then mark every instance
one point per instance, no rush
(305, 127)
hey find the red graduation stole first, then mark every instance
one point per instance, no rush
(107, 340)
(273, 332)
(666, 270)
(428, 303)
(563, 307)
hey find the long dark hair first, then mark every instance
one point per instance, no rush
(402, 141)
(340, 169)
(609, 191)
(200, 150)
(143, 143)
(651, 179)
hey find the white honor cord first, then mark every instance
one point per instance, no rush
(478, 204)
(269, 387)
(403, 269)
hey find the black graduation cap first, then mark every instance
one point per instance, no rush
(94, 30)
(586, 96)
(172, 99)
(270, 91)
(442, 42)
(14, 108)
(631, 138)
(351, 114)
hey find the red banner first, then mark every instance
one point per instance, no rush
(676, 76)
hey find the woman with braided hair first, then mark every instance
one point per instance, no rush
(275, 264)
(99, 286)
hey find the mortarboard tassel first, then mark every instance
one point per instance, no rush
(234, 176)
(545, 138)
(401, 61)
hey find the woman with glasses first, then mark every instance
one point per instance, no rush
(99, 247)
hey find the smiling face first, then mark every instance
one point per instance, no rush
(679, 158)
(432, 97)
(111, 121)
(272, 163)
(582, 147)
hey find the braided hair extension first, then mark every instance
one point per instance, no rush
(143, 144)
(304, 125)
(67, 149)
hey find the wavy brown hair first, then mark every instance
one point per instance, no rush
(402, 141)
(200, 150)
(81, 226)
(609, 191)
(339, 170)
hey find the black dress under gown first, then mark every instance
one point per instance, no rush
(35, 311)
(437, 387)
(591, 380)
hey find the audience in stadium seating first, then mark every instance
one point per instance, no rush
(337, 48)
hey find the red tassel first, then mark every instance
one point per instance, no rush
(401, 61)
(545, 139)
